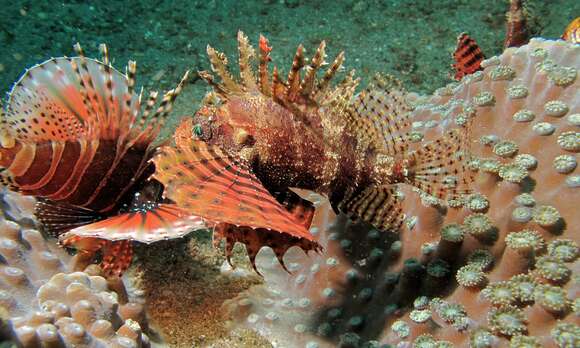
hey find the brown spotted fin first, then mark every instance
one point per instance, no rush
(380, 118)
(302, 209)
(439, 168)
(380, 206)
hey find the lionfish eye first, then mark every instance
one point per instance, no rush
(197, 130)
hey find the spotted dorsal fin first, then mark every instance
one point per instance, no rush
(301, 90)
(379, 116)
(80, 98)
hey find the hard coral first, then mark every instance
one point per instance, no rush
(362, 291)
(48, 304)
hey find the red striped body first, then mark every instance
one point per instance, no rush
(81, 173)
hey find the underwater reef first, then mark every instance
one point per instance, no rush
(49, 303)
(353, 213)
(497, 268)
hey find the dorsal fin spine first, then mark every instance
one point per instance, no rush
(294, 74)
(316, 62)
(264, 82)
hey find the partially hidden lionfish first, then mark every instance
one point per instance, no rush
(261, 136)
(468, 56)
(76, 135)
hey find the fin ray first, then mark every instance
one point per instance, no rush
(378, 206)
(57, 218)
(165, 221)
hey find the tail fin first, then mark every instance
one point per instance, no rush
(439, 168)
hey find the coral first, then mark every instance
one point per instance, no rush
(508, 276)
(499, 293)
(49, 304)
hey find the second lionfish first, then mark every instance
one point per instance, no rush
(76, 135)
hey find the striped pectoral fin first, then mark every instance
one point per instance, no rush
(207, 182)
(165, 221)
(467, 56)
(221, 188)
(255, 239)
(376, 205)
(113, 236)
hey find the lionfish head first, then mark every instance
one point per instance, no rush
(230, 125)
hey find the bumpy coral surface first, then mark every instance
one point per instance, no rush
(47, 303)
(495, 268)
